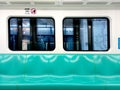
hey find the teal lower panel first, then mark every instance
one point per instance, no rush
(60, 72)
(13, 87)
(61, 83)
(47, 87)
(55, 87)
(111, 87)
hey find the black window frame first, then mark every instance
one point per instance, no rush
(22, 17)
(108, 33)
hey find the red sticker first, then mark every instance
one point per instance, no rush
(33, 11)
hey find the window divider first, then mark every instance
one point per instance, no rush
(33, 30)
(90, 34)
(19, 41)
(76, 31)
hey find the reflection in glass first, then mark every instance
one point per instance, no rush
(45, 34)
(84, 34)
(90, 33)
(100, 34)
(13, 33)
(31, 34)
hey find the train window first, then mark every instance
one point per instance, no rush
(31, 34)
(86, 34)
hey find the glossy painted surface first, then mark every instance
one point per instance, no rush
(60, 72)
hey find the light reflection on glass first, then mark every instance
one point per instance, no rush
(33, 33)
(99, 34)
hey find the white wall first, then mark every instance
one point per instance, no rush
(59, 15)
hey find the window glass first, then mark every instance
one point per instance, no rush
(86, 34)
(31, 34)
(100, 34)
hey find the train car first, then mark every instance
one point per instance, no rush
(59, 44)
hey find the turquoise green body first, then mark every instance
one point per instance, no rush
(60, 72)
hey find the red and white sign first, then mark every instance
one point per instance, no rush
(30, 10)
(33, 11)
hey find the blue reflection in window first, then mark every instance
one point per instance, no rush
(13, 33)
(45, 34)
(13, 26)
(26, 22)
(100, 34)
(84, 34)
(31, 34)
(45, 31)
(26, 26)
(68, 35)
(13, 22)
(68, 38)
